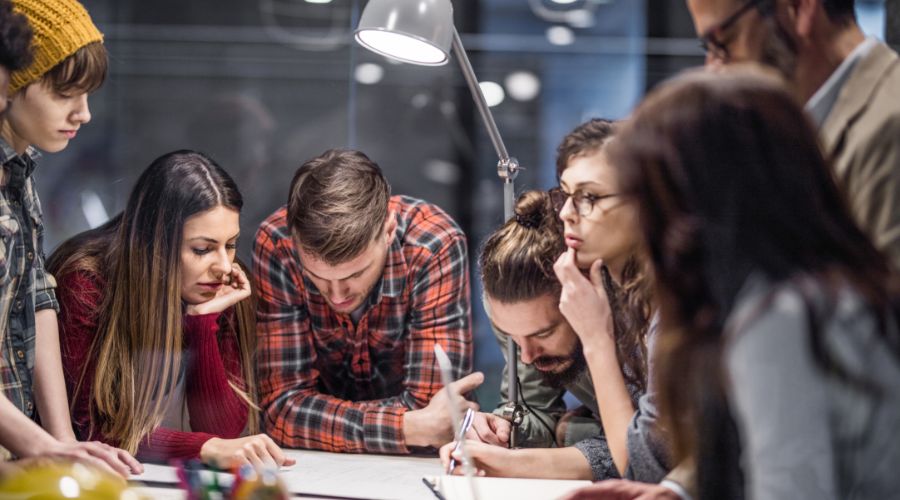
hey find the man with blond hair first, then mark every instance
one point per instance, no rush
(355, 289)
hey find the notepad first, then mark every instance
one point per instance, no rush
(456, 487)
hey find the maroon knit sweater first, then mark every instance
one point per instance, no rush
(213, 407)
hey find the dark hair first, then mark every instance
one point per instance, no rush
(730, 180)
(585, 139)
(338, 203)
(840, 11)
(517, 259)
(137, 255)
(15, 38)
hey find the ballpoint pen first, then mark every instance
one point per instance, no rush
(460, 435)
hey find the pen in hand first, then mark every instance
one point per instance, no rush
(460, 435)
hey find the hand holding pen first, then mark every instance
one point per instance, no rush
(460, 435)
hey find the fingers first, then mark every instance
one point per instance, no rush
(275, 452)
(239, 278)
(502, 428)
(108, 455)
(596, 273)
(566, 268)
(469, 404)
(490, 429)
(482, 431)
(444, 453)
(132, 463)
(468, 383)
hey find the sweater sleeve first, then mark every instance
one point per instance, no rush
(213, 405)
(80, 297)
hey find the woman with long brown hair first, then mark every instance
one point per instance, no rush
(779, 360)
(604, 295)
(157, 319)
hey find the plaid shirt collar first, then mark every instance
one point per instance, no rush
(393, 278)
(8, 154)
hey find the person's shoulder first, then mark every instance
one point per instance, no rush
(421, 223)
(766, 308)
(880, 68)
(83, 279)
(274, 227)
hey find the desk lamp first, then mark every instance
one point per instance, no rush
(422, 32)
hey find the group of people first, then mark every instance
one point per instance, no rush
(713, 279)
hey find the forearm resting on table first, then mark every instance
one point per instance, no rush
(19, 434)
(613, 400)
(49, 383)
(548, 463)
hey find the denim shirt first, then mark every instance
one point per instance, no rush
(25, 287)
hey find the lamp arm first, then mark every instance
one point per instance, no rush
(507, 169)
(478, 96)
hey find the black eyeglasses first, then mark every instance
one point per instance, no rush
(584, 202)
(709, 41)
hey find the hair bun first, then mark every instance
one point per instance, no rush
(530, 220)
(533, 208)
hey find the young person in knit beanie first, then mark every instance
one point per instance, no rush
(45, 107)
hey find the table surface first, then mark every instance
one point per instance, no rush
(320, 474)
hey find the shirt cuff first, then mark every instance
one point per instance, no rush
(676, 488)
(383, 429)
(46, 300)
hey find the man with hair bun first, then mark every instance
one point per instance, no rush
(356, 287)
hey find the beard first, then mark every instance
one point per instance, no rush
(558, 380)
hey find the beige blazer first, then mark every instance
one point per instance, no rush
(862, 136)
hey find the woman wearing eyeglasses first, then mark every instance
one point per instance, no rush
(605, 298)
(522, 299)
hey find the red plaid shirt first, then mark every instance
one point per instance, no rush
(328, 384)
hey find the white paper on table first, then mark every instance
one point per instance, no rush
(377, 477)
(457, 488)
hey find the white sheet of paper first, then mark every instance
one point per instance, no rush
(360, 476)
(456, 487)
(377, 477)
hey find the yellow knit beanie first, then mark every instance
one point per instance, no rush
(60, 27)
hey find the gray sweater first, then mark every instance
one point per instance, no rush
(804, 433)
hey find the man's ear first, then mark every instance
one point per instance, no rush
(390, 226)
(802, 15)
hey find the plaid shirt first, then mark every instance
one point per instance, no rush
(25, 287)
(328, 384)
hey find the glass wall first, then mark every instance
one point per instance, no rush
(263, 85)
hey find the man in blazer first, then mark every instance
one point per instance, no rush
(850, 84)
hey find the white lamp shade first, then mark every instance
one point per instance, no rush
(412, 31)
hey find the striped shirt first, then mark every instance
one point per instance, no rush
(327, 382)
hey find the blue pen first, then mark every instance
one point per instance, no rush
(460, 435)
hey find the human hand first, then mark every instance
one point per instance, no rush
(583, 301)
(487, 459)
(258, 450)
(235, 288)
(620, 489)
(431, 426)
(100, 455)
(490, 429)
